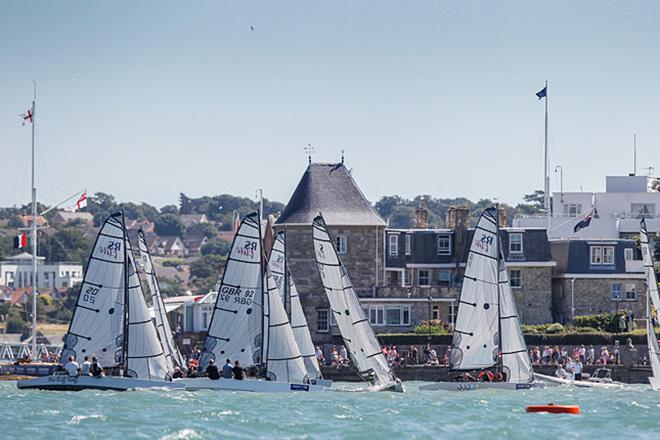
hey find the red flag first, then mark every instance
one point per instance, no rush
(21, 241)
(27, 116)
(81, 203)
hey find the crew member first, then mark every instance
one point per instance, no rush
(227, 370)
(238, 371)
(212, 370)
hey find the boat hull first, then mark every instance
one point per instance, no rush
(249, 385)
(79, 383)
(322, 382)
(576, 383)
(473, 386)
(655, 383)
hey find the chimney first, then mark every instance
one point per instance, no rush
(502, 217)
(422, 216)
(457, 220)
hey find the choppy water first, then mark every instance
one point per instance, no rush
(633, 412)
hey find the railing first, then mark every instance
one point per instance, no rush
(13, 352)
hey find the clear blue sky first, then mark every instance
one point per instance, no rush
(148, 99)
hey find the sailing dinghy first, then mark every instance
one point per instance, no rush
(111, 321)
(487, 333)
(249, 324)
(652, 294)
(278, 266)
(361, 343)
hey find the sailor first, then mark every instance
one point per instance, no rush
(72, 367)
(178, 374)
(212, 371)
(578, 369)
(560, 372)
(96, 369)
(486, 376)
(227, 370)
(238, 371)
(85, 367)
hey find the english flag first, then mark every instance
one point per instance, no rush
(21, 241)
(237, 222)
(81, 203)
(27, 116)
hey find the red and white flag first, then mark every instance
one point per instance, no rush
(81, 203)
(27, 117)
(21, 241)
(237, 223)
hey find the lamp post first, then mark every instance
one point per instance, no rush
(561, 182)
(572, 299)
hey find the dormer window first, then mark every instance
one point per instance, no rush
(516, 243)
(393, 244)
(602, 255)
(444, 245)
(342, 244)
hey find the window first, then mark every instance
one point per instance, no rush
(642, 210)
(444, 275)
(608, 255)
(424, 278)
(596, 255)
(616, 291)
(393, 315)
(206, 312)
(408, 244)
(631, 292)
(515, 278)
(628, 254)
(435, 311)
(376, 315)
(389, 315)
(572, 209)
(453, 310)
(407, 277)
(342, 244)
(393, 244)
(444, 245)
(322, 321)
(516, 243)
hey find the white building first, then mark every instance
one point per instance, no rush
(618, 210)
(16, 272)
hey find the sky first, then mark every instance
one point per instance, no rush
(147, 99)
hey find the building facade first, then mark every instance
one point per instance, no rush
(16, 272)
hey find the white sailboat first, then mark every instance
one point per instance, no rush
(172, 354)
(278, 266)
(111, 321)
(249, 324)
(653, 298)
(487, 333)
(361, 343)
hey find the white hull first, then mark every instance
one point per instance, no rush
(655, 383)
(577, 383)
(78, 383)
(322, 382)
(471, 386)
(251, 385)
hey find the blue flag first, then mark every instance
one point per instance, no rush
(585, 222)
(543, 93)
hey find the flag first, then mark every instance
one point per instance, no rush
(543, 93)
(586, 221)
(27, 116)
(237, 222)
(21, 241)
(81, 203)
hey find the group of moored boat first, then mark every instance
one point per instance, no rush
(251, 325)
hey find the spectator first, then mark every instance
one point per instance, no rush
(319, 355)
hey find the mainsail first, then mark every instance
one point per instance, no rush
(476, 339)
(172, 353)
(652, 294)
(360, 340)
(146, 359)
(277, 265)
(235, 331)
(515, 359)
(97, 325)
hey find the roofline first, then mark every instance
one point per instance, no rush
(609, 276)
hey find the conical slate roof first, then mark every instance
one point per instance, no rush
(328, 188)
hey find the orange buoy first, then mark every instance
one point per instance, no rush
(554, 409)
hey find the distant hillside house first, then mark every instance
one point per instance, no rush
(194, 243)
(145, 225)
(67, 217)
(353, 223)
(26, 220)
(169, 246)
(193, 219)
(16, 272)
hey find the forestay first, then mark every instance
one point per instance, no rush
(146, 358)
(236, 325)
(172, 353)
(515, 359)
(97, 325)
(284, 361)
(476, 340)
(277, 265)
(356, 332)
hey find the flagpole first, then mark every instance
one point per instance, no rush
(546, 163)
(34, 235)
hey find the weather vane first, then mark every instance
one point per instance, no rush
(309, 150)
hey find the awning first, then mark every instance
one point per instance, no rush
(168, 308)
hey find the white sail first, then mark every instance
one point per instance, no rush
(97, 325)
(285, 363)
(654, 353)
(515, 359)
(476, 340)
(235, 331)
(647, 257)
(652, 295)
(146, 358)
(277, 265)
(360, 340)
(172, 354)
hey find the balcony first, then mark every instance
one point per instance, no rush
(634, 266)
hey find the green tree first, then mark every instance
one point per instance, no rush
(169, 224)
(216, 247)
(169, 209)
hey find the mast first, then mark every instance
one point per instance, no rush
(546, 198)
(287, 292)
(499, 309)
(33, 233)
(125, 335)
(262, 274)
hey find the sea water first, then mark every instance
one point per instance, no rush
(633, 412)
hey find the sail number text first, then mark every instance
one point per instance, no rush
(111, 250)
(90, 294)
(236, 295)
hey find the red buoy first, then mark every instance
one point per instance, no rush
(554, 409)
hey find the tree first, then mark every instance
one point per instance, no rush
(216, 247)
(169, 209)
(206, 266)
(536, 199)
(169, 224)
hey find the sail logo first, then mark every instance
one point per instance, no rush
(299, 387)
(111, 250)
(484, 243)
(248, 249)
(278, 264)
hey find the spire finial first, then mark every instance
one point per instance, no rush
(342, 155)
(309, 150)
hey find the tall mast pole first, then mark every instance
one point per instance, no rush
(545, 162)
(499, 311)
(34, 235)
